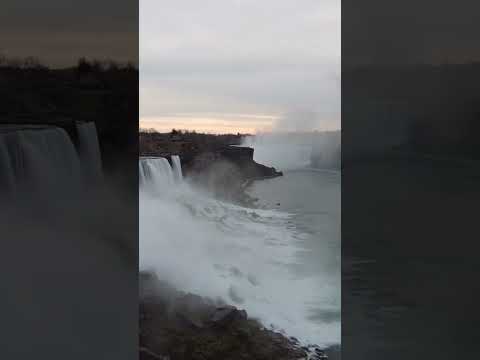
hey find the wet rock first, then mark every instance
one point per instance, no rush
(294, 340)
(319, 357)
(176, 325)
(226, 315)
(192, 310)
(317, 354)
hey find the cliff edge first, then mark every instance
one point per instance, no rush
(215, 162)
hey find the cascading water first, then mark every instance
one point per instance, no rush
(177, 167)
(89, 151)
(244, 256)
(38, 160)
(155, 174)
(42, 160)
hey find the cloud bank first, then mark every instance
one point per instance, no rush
(272, 57)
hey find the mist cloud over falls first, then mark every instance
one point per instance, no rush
(297, 150)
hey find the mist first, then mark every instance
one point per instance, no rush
(297, 150)
(225, 252)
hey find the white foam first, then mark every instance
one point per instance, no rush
(244, 256)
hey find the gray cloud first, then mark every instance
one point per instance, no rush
(270, 56)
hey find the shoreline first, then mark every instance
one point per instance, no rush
(179, 325)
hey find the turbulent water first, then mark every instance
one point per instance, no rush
(279, 262)
(312, 200)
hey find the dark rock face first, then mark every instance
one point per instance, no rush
(226, 176)
(224, 316)
(241, 159)
(175, 325)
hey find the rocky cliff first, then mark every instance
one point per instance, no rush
(178, 325)
(214, 162)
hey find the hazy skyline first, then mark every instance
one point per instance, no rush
(240, 65)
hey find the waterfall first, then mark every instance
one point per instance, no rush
(89, 151)
(177, 167)
(38, 160)
(42, 160)
(156, 173)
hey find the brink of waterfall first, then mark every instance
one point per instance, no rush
(156, 173)
(45, 159)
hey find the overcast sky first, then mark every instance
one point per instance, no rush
(240, 65)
